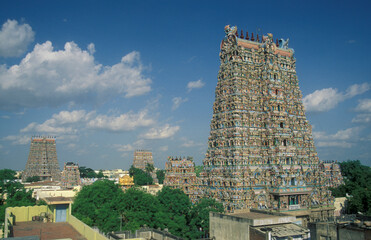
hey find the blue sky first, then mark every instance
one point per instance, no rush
(109, 77)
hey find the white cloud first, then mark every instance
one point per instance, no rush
(177, 101)
(124, 148)
(189, 143)
(91, 48)
(328, 98)
(51, 78)
(56, 125)
(71, 145)
(18, 140)
(130, 147)
(340, 144)
(124, 122)
(362, 118)
(195, 84)
(14, 38)
(343, 138)
(161, 132)
(164, 148)
(364, 105)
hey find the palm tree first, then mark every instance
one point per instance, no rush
(149, 168)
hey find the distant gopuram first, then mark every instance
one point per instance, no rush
(261, 152)
(141, 159)
(42, 160)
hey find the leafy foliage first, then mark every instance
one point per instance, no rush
(7, 174)
(140, 177)
(149, 168)
(198, 170)
(33, 179)
(357, 180)
(17, 195)
(160, 176)
(199, 216)
(105, 205)
(90, 173)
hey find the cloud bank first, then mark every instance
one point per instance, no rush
(328, 98)
(46, 77)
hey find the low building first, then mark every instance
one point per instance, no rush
(344, 228)
(255, 225)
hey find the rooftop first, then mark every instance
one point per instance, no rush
(46, 230)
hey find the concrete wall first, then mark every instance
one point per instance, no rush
(228, 227)
(320, 230)
(25, 214)
(85, 230)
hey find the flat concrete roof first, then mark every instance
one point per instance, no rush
(284, 230)
(251, 215)
(46, 230)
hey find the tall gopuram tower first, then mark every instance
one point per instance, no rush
(42, 160)
(261, 152)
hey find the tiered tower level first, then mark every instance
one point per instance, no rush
(42, 160)
(261, 152)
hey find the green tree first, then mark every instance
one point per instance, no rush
(176, 206)
(199, 217)
(149, 168)
(140, 177)
(357, 178)
(198, 170)
(160, 176)
(17, 195)
(97, 199)
(7, 174)
(89, 173)
(139, 208)
(33, 179)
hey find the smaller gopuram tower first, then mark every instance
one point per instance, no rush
(42, 160)
(180, 173)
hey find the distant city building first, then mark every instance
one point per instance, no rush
(180, 173)
(141, 159)
(42, 160)
(70, 175)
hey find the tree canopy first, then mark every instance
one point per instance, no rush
(140, 177)
(16, 194)
(86, 172)
(105, 205)
(160, 176)
(357, 178)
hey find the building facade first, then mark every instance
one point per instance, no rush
(42, 160)
(70, 175)
(180, 173)
(261, 152)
